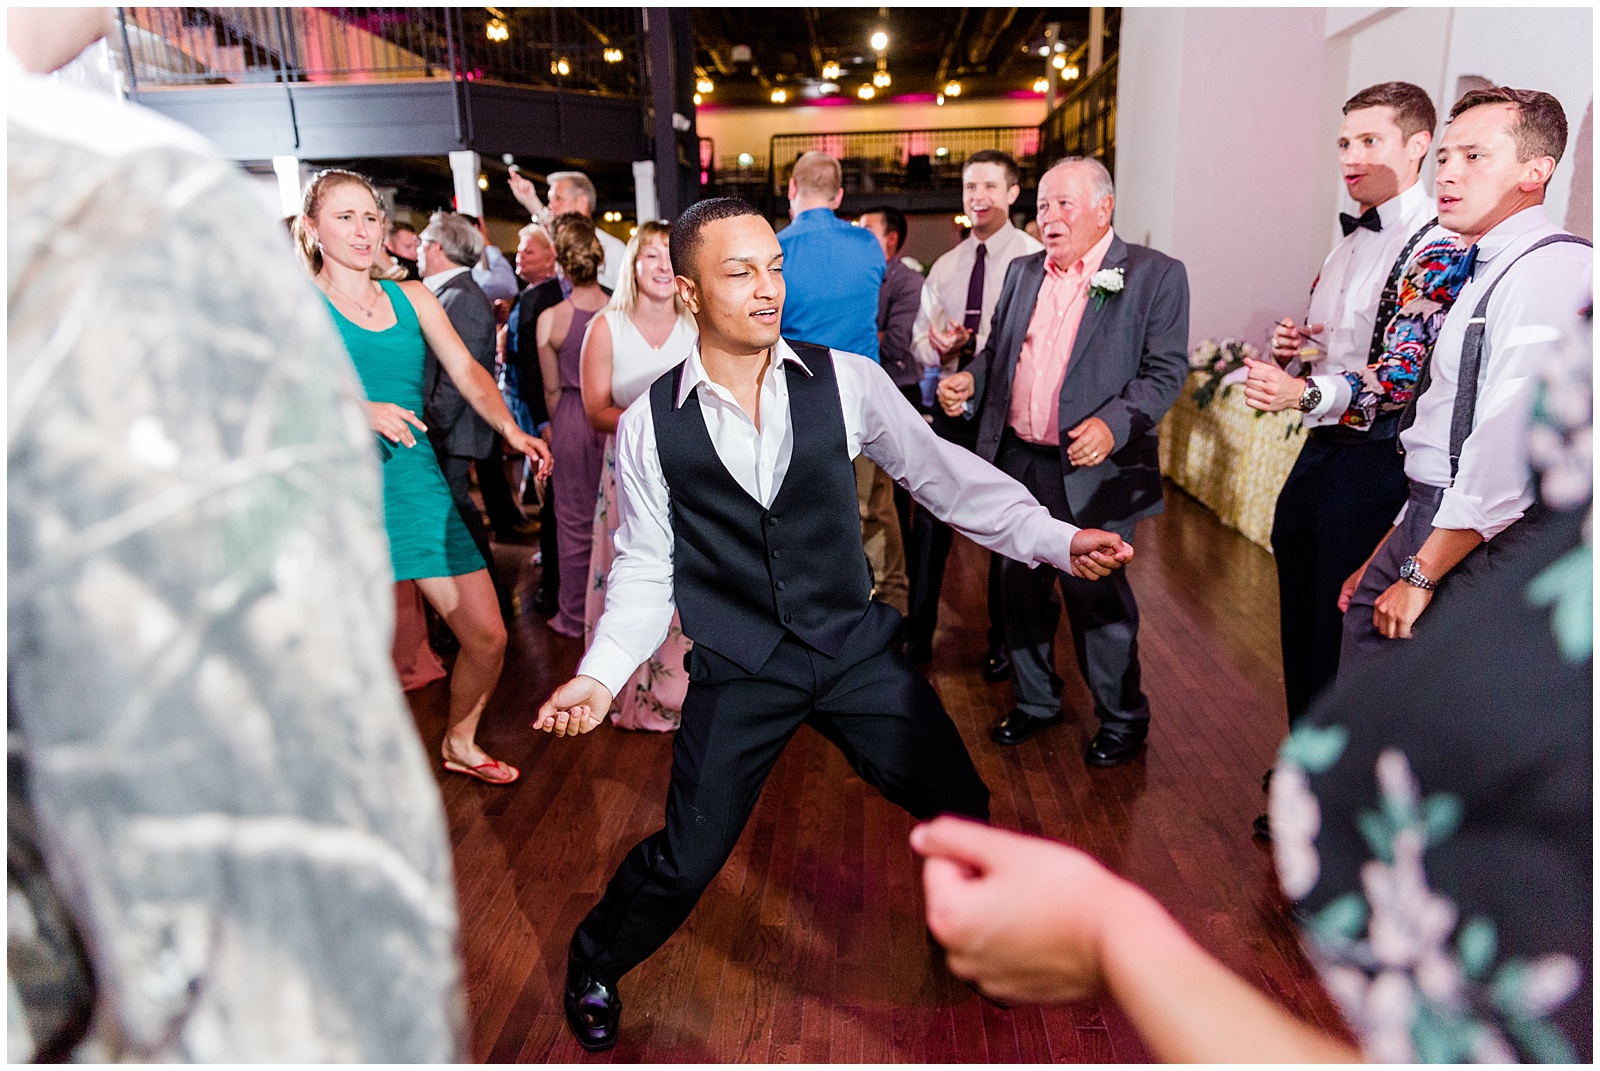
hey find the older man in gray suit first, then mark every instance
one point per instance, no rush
(1087, 353)
(446, 251)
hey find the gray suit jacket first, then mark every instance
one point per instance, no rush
(898, 301)
(1128, 365)
(453, 426)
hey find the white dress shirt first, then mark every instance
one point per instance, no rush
(1347, 293)
(1526, 317)
(944, 295)
(436, 281)
(614, 248)
(495, 276)
(972, 496)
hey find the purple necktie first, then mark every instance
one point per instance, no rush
(974, 304)
(975, 290)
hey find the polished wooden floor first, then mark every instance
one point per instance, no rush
(810, 946)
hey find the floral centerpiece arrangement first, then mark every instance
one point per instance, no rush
(1222, 365)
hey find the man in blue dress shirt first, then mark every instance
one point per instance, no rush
(833, 271)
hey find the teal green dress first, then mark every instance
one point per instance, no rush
(426, 534)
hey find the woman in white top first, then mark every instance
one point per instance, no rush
(643, 332)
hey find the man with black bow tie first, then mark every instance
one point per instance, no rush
(1349, 480)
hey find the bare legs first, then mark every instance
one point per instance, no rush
(467, 604)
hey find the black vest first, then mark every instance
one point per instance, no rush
(743, 575)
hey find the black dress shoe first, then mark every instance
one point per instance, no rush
(1016, 727)
(594, 1011)
(1262, 828)
(997, 667)
(1114, 745)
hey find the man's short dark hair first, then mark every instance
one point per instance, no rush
(995, 156)
(894, 222)
(396, 225)
(1540, 128)
(1413, 108)
(684, 241)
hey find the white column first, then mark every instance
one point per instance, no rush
(464, 168)
(645, 205)
(289, 193)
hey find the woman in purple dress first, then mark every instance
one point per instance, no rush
(577, 448)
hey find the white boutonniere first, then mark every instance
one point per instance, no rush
(1105, 283)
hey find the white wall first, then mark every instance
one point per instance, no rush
(1227, 120)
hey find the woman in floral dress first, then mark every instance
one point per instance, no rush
(643, 332)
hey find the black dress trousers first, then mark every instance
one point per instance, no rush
(869, 701)
(1339, 500)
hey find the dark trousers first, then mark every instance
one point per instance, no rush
(1339, 500)
(869, 701)
(498, 503)
(458, 474)
(1102, 613)
(549, 553)
(928, 547)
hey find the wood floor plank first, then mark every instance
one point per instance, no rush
(811, 946)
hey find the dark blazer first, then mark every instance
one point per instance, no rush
(898, 301)
(1128, 365)
(453, 426)
(524, 357)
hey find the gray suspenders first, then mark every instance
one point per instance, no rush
(1464, 411)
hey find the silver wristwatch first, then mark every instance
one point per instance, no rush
(1413, 575)
(1310, 398)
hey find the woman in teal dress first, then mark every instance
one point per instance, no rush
(386, 327)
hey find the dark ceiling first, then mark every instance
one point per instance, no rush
(992, 51)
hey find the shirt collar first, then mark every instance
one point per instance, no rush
(1088, 263)
(437, 280)
(1508, 230)
(1401, 206)
(694, 372)
(998, 238)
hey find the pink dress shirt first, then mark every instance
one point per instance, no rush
(1042, 365)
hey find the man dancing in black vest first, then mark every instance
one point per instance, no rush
(738, 506)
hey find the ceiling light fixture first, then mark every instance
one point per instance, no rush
(881, 80)
(939, 100)
(828, 87)
(496, 30)
(1070, 73)
(697, 100)
(483, 182)
(963, 221)
(779, 96)
(830, 71)
(705, 85)
(880, 41)
(1041, 85)
(866, 92)
(1059, 61)
(561, 67)
(952, 89)
(613, 55)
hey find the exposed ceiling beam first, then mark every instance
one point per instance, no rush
(950, 48)
(980, 49)
(1010, 47)
(811, 35)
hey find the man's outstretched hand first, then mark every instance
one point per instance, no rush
(1096, 554)
(578, 706)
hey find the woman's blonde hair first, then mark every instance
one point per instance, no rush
(311, 203)
(626, 297)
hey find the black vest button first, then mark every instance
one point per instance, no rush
(780, 585)
(775, 553)
(772, 522)
(787, 618)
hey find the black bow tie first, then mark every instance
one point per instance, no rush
(1368, 219)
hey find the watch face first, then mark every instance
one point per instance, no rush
(1408, 569)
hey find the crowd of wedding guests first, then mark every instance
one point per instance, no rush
(1431, 807)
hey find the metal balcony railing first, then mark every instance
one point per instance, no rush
(596, 50)
(1085, 124)
(894, 161)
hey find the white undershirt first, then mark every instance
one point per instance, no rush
(972, 496)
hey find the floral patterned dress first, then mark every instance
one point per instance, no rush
(653, 697)
(1435, 827)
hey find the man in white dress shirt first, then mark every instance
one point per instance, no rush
(1471, 493)
(571, 191)
(1349, 480)
(737, 495)
(952, 325)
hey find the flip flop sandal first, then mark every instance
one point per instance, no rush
(472, 771)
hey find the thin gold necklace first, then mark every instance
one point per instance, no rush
(367, 308)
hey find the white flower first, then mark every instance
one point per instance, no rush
(1296, 820)
(1551, 980)
(1409, 922)
(1106, 280)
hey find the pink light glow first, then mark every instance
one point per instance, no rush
(1024, 94)
(913, 98)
